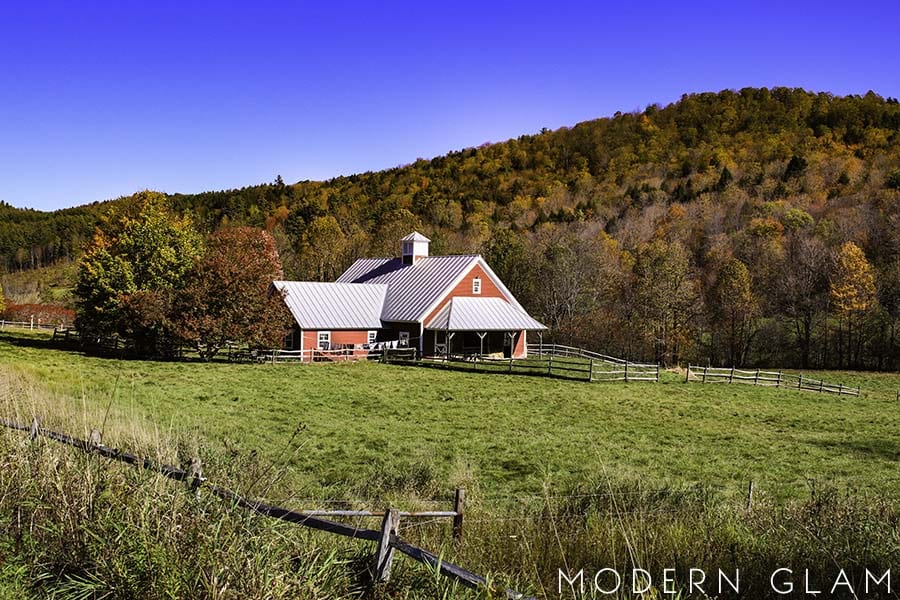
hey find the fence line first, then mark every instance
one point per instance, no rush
(777, 379)
(387, 542)
(27, 325)
(564, 365)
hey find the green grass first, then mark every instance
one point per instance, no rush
(496, 434)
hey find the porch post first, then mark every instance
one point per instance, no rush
(481, 342)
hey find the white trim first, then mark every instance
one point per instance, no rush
(476, 285)
(319, 335)
(476, 260)
(371, 336)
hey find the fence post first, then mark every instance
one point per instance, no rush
(32, 322)
(822, 386)
(657, 373)
(626, 371)
(704, 375)
(195, 475)
(840, 389)
(591, 371)
(384, 556)
(35, 428)
(750, 495)
(756, 379)
(550, 365)
(800, 382)
(510, 364)
(458, 507)
(778, 383)
(731, 377)
(687, 374)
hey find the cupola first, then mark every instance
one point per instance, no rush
(413, 247)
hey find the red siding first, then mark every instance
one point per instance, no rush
(464, 288)
(349, 337)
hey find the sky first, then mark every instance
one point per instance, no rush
(102, 99)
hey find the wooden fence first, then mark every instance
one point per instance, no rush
(27, 325)
(386, 538)
(564, 365)
(777, 379)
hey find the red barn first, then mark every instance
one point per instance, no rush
(438, 304)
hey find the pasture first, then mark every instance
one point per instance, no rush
(498, 435)
(558, 474)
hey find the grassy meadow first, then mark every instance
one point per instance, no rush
(557, 473)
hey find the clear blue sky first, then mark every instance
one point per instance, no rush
(99, 100)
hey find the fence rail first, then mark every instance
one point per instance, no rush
(563, 365)
(777, 379)
(387, 539)
(27, 325)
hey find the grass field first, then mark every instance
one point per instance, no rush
(558, 473)
(497, 434)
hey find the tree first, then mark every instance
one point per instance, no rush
(801, 289)
(129, 270)
(226, 295)
(733, 308)
(666, 298)
(852, 291)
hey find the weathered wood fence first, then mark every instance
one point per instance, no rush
(387, 538)
(564, 364)
(777, 379)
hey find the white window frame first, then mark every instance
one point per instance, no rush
(371, 336)
(476, 285)
(326, 339)
(403, 339)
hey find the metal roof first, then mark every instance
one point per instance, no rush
(464, 313)
(317, 305)
(415, 236)
(412, 289)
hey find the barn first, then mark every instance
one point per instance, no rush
(441, 305)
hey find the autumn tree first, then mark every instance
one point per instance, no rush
(129, 270)
(666, 298)
(852, 293)
(226, 296)
(801, 290)
(733, 309)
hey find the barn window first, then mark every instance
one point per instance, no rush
(373, 335)
(404, 339)
(324, 340)
(289, 341)
(476, 285)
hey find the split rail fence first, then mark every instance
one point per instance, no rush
(777, 379)
(549, 360)
(387, 538)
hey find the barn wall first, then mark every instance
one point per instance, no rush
(464, 288)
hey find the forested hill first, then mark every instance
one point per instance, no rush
(769, 178)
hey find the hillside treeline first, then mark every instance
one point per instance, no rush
(759, 226)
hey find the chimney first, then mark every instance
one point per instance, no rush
(414, 247)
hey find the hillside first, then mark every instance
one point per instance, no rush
(687, 231)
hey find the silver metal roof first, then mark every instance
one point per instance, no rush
(482, 314)
(317, 305)
(412, 289)
(415, 236)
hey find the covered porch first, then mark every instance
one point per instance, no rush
(469, 326)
